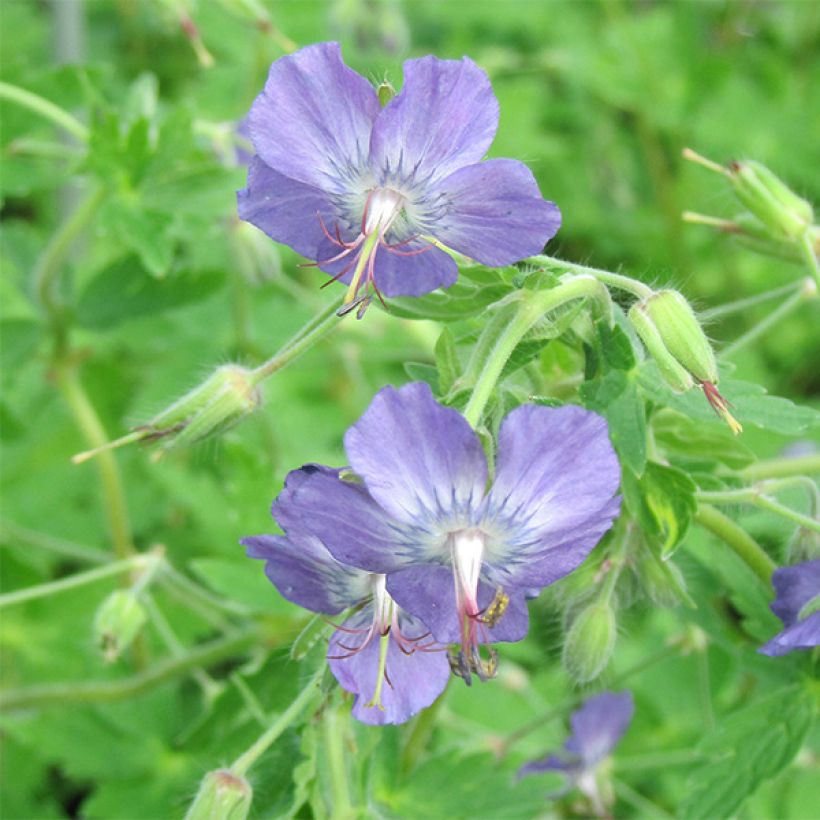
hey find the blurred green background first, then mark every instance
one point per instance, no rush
(599, 98)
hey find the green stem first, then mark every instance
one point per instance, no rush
(318, 327)
(740, 305)
(769, 321)
(752, 495)
(243, 763)
(11, 532)
(744, 546)
(420, 733)
(45, 108)
(334, 747)
(108, 691)
(810, 255)
(533, 306)
(783, 467)
(50, 264)
(73, 581)
(175, 578)
(638, 802)
(89, 422)
(615, 280)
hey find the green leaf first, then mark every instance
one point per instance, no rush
(460, 301)
(615, 396)
(751, 745)
(449, 367)
(663, 501)
(420, 372)
(124, 290)
(143, 231)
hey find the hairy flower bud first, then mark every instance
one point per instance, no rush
(590, 641)
(662, 581)
(672, 371)
(118, 621)
(222, 795)
(221, 401)
(770, 199)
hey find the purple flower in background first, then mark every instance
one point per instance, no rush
(363, 190)
(798, 605)
(460, 558)
(597, 727)
(380, 653)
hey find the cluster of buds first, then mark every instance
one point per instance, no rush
(672, 334)
(777, 222)
(226, 397)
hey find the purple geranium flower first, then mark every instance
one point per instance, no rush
(364, 190)
(459, 557)
(798, 605)
(380, 653)
(596, 729)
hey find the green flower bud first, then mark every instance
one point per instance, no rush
(385, 92)
(222, 795)
(662, 581)
(118, 621)
(673, 373)
(221, 401)
(590, 641)
(770, 199)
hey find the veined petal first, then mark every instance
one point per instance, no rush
(421, 462)
(413, 680)
(428, 592)
(312, 121)
(492, 212)
(554, 491)
(286, 210)
(306, 574)
(342, 515)
(803, 634)
(445, 117)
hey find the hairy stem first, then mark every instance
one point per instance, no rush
(756, 496)
(108, 691)
(783, 467)
(743, 545)
(244, 762)
(614, 280)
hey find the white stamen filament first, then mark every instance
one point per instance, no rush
(468, 553)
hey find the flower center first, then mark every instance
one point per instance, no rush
(380, 211)
(468, 551)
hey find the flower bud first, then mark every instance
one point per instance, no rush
(590, 641)
(221, 401)
(662, 581)
(222, 795)
(673, 373)
(385, 92)
(118, 621)
(770, 199)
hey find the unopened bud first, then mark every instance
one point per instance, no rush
(118, 621)
(222, 795)
(385, 92)
(590, 641)
(770, 199)
(662, 581)
(672, 371)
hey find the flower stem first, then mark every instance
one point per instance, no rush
(810, 255)
(244, 762)
(11, 532)
(318, 327)
(334, 747)
(743, 545)
(756, 496)
(45, 108)
(747, 302)
(73, 581)
(533, 307)
(615, 280)
(783, 467)
(108, 691)
(638, 802)
(89, 422)
(807, 291)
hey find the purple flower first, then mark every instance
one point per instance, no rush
(596, 729)
(380, 653)
(798, 605)
(460, 558)
(363, 190)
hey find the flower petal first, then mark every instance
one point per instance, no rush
(415, 680)
(306, 574)
(554, 492)
(445, 117)
(803, 634)
(795, 587)
(428, 592)
(421, 462)
(396, 273)
(493, 212)
(341, 514)
(599, 724)
(312, 121)
(286, 210)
